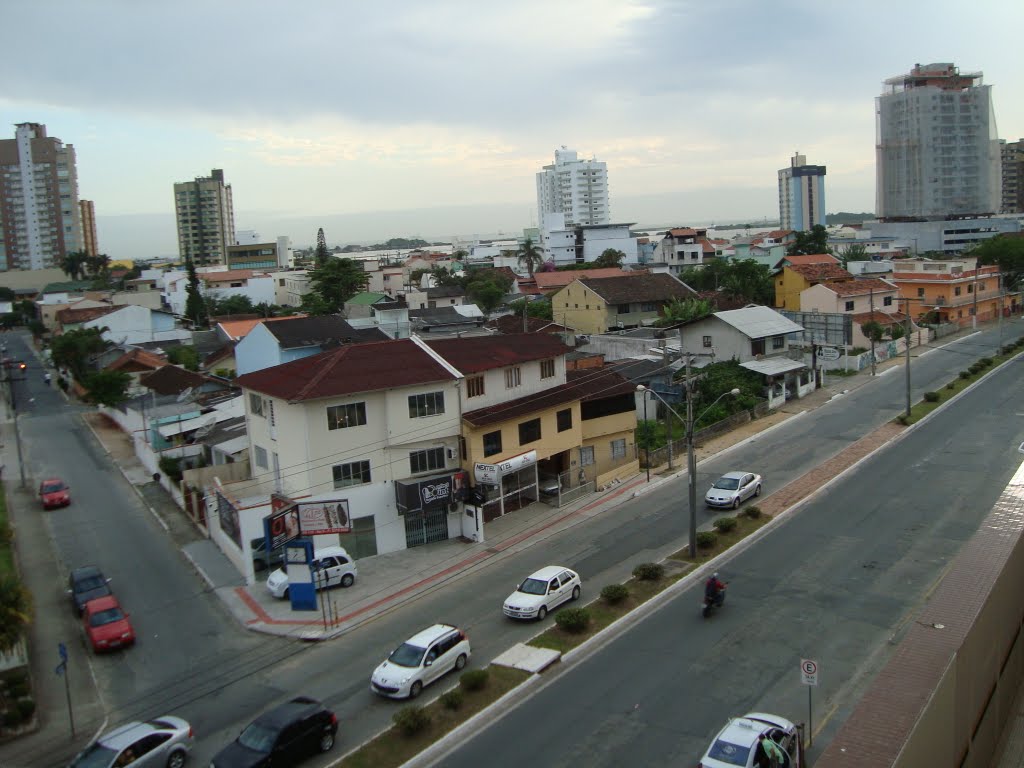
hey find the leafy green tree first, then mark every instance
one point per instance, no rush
(530, 255)
(718, 378)
(73, 264)
(710, 277)
(812, 242)
(322, 254)
(750, 281)
(107, 387)
(540, 309)
(332, 283)
(229, 305)
(683, 310)
(96, 266)
(611, 257)
(853, 252)
(7, 294)
(72, 350)
(184, 355)
(15, 612)
(195, 307)
(442, 277)
(460, 255)
(1005, 251)
(487, 295)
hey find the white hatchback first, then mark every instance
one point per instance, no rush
(331, 566)
(543, 591)
(736, 744)
(421, 660)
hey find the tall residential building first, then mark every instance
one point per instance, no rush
(801, 195)
(88, 216)
(936, 145)
(577, 189)
(39, 217)
(1013, 176)
(206, 218)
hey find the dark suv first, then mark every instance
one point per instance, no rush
(283, 736)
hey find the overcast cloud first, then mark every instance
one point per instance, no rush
(443, 112)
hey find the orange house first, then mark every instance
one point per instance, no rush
(955, 290)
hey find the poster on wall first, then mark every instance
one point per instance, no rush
(228, 516)
(320, 517)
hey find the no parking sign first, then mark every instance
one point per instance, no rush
(808, 672)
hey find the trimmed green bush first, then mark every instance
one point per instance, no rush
(706, 539)
(965, 374)
(474, 679)
(975, 368)
(753, 512)
(902, 419)
(452, 699)
(411, 720)
(649, 571)
(725, 524)
(931, 397)
(573, 619)
(614, 593)
(951, 385)
(1008, 349)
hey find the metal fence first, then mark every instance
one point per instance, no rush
(659, 456)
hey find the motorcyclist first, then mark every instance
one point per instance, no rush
(714, 589)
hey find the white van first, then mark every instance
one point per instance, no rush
(331, 566)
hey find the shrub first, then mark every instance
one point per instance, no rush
(171, 467)
(26, 708)
(1008, 349)
(474, 679)
(985, 361)
(951, 385)
(649, 571)
(753, 512)
(452, 699)
(725, 524)
(931, 397)
(573, 619)
(411, 720)
(16, 689)
(965, 374)
(706, 539)
(902, 419)
(614, 593)
(975, 368)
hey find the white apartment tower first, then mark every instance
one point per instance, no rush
(937, 148)
(206, 218)
(39, 214)
(577, 189)
(801, 195)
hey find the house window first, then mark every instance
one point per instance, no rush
(848, 306)
(492, 443)
(547, 369)
(619, 448)
(261, 457)
(428, 404)
(513, 377)
(255, 404)
(956, 290)
(887, 301)
(356, 473)
(622, 309)
(529, 431)
(427, 460)
(475, 386)
(586, 455)
(981, 286)
(564, 420)
(970, 288)
(778, 342)
(757, 346)
(707, 341)
(920, 293)
(344, 416)
(649, 306)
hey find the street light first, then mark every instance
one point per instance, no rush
(647, 449)
(691, 459)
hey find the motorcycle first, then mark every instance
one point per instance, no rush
(710, 603)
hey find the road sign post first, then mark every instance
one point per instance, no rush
(62, 669)
(809, 677)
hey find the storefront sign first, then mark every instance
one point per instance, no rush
(319, 517)
(415, 495)
(490, 474)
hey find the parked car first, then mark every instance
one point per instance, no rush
(283, 735)
(54, 492)
(85, 584)
(732, 489)
(331, 566)
(261, 559)
(543, 591)
(165, 741)
(549, 485)
(106, 625)
(420, 660)
(736, 744)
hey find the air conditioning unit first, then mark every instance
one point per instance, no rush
(453, 507)
(451, 453)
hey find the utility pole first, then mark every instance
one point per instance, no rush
(871, 317)
(906, 337)
(974, 307)
(691, 459)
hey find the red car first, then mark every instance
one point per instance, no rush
(54, 492)
(106, 625)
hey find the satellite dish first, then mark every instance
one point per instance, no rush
(206, 428)
(185, 395)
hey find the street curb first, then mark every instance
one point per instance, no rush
(199, 570)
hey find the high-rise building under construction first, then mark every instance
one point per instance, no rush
(936, 145)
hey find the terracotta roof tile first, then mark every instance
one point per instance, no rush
(639, 287)
(548, 281)
(138, 359)
(858, 287)
(514, 324)
(71, 315)
(821, 271)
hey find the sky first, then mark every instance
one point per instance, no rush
(399, 118)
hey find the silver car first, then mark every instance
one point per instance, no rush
(732, 489)
(165, 741)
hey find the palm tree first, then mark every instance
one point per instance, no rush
(531, 255)
(15, 612)
(73, 264)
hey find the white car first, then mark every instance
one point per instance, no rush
(732, 489)
(164, 742)
(331, 566)
(543, 591)
(421, 660)
(736, 744)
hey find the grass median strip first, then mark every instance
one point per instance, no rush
(6, 554)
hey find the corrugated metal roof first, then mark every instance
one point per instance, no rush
(758, 322)
(773, 366)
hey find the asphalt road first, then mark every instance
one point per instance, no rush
(192, 660)
(837, 583)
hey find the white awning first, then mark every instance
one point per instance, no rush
(221, 412)
(773, 366)
(234, 445)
